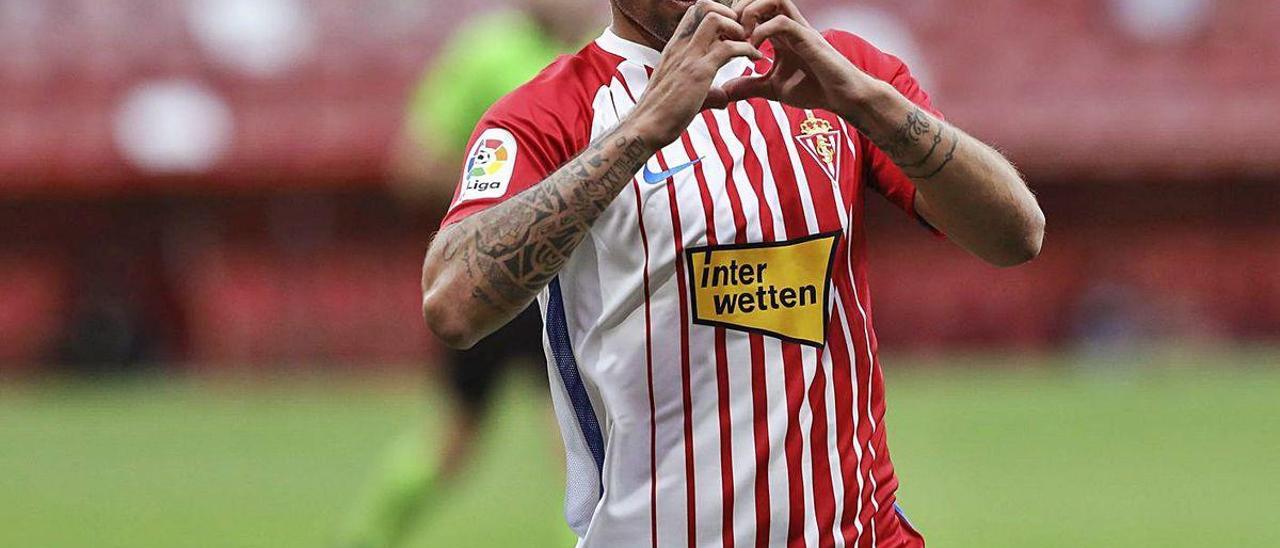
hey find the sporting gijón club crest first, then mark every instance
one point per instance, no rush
(822, 142)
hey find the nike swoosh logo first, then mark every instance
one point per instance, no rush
(655, 178)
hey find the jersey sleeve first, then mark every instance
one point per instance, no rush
(882, 174)
(521, 140)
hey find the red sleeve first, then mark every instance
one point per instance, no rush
(521, 140)
(882, 174)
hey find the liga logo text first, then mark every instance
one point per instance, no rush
(778, 289)
(490, 165)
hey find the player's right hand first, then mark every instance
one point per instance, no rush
(707, 37)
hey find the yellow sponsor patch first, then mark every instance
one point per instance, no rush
(777, 289)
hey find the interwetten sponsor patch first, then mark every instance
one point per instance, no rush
(778, 289)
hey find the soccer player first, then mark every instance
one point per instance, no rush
(483, 61)
(684, 199)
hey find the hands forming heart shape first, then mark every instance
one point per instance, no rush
(807, 72)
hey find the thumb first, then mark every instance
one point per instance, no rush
(716, 99)
(746, 87)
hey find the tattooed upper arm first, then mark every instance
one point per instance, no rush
(509, 252)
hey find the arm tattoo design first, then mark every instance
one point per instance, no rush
(907, 135)
(904, 142)
(512, 250)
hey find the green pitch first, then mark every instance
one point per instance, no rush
(1071, 453)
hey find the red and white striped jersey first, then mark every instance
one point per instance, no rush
(709, 343)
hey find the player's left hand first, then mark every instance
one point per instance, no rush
(807, 71)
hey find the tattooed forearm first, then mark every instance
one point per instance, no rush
(946, 159)
(963, 187)
(907, 135)
(903, 145)
(512, 250)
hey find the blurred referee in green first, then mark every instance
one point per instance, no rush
(483, 61)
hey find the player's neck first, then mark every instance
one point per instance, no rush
(627, 29)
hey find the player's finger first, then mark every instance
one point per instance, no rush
(752, 13)
(691, 20)
(717, 7)
(716, 99)
(747, 87)
(725, 50)
(717, 26)
(780, 27)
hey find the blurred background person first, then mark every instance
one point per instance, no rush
(485, 59)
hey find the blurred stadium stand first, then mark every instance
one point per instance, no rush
(233, 154)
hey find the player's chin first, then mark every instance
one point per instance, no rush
(671, 12)
(674, 10)
(683, 5)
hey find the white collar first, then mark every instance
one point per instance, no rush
(645, 55)
(626, 49)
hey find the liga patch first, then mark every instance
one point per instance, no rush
(489, 166)
(778, 289)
